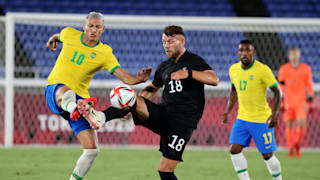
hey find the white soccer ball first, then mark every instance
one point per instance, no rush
(122, 97)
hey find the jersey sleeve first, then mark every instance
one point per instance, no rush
(157, 81)
(64, 33)
(200, 65)
(111, 61)
(309, 82)
(268, 77)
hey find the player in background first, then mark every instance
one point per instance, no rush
(295, 80)
(82, 55)
(250, 80)
(183, 77)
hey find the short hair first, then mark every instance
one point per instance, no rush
(173, 30)
(97, 15)
(247, 41)
(294, 48)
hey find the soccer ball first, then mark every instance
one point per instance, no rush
(122, 97)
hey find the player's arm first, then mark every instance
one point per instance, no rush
(273, 120)
(310, 90)
(233, 98)
(281, 79)
(53, 42)
(130, 79)
(149, 91)
(206, 77)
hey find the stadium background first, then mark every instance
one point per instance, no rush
(34, 124)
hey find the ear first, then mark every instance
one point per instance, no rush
(83, 26)
(183, 42)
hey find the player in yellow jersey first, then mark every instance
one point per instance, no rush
(250, 80)
(82, 55)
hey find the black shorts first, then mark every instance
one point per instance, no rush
(174, 137)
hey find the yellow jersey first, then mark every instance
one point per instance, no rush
(251, 85)
(77, 62)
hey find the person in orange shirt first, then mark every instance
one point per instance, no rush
(296, 84)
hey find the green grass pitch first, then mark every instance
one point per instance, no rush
(137, 164)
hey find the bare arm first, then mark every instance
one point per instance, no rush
(273, 120)
(53, 42)
(149, 91)
(206, 77)
(233, 98)
(128, 78)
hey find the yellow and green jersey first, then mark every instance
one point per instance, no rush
(251, 85)
(77, 62)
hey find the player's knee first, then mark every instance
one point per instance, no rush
(235, 149)
(267, 156)
(167, 175)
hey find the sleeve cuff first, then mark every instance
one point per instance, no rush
(114, 68)
(273, 85)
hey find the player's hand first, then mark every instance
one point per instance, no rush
(224, 118)
(273, 121)
(144, 74)
(180, 74)
(52, 44)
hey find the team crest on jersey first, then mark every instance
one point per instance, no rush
(93, 55)
(251, 77)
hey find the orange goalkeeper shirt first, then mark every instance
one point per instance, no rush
(295, 83)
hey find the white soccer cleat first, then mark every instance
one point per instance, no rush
(94, 117)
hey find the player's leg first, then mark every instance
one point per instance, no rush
(266, 144)
(166, 168)
(139, 108)
(172, 145)
(56, 97)
(289, 117)
(66, 99)
(300, 128)
(239, 138)
(89, 142)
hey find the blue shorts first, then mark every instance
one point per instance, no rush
(243, 131)
(77, 125)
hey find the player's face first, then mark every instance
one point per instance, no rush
(246, 53)
(294, 57)
(93, 28)
(173, 45)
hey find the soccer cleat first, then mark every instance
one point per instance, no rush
(85, 108)
(298, 153)
(291, 153)
(75, 115)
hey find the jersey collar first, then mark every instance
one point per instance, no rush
(248, 67)
(81, 39)
(181, 58)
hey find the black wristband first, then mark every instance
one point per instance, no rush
(189, 73)
(310, 99)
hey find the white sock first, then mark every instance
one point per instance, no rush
(240, 165)
(274, 168)
(68, 101)
(84, 163)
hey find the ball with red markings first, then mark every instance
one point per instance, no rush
(122, 97)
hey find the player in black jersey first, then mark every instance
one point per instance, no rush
(183, 77)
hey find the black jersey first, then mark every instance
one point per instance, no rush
(183, 99)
